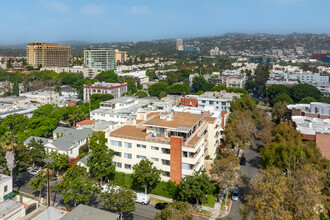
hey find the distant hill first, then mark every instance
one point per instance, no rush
(257, 43)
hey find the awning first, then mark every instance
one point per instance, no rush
(9, 195)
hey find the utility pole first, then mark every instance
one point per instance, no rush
(48, 189)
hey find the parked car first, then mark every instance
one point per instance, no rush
(235, 195)
(242, 162)
(33, 172)
(161, 206)
(142, 198)
(106, 188)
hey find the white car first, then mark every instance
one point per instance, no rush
(106, 188)
(142, 198)
(33, 172)
(235, 195)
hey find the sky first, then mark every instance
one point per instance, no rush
(23, 21)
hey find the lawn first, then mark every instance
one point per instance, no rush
(154, 200)
(122, 179)
(210, 201)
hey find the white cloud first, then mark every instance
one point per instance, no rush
(93, 10)
(139, 10)
(56, 6)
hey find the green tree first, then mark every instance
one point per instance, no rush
(131, 86)
(240, 90)
(275, 90)
(200, 92)
(37, 152)
(107, 76)
(146, 175)
(58, 161)
(280, 111)
(250, 85)
(121, 200)
(261, 74)
(3, 163)
(76, 185)
(157, 88)
(100, 159)
(176, 210)
(9, 143)
(16, 88)
(151, 74)
(179, 89)
(274, 195)
(300, 91)
(199, 83)
(246, 104)
(141, 94)
(283, 98)
(307, 100)
(38, 182)
(195, 188)
(219, 88)
(172, 78)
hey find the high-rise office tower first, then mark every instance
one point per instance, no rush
(102, 59)
(48, 54)
(179, 44)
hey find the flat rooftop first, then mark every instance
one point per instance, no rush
(178, 119)
(130, 131)
(8, 206)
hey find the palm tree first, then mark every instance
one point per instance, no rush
(8, 143)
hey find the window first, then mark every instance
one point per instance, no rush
(117, 164)
(154, 148)
(187, 166)
(167, 174)
(184, 154)
(5, 189)
(128, 166)
(211, 102)
(140, 157)
(128, 145)
(203, 101)
(129, 156)
(115, 143)
(166, 151)
(155, 159)
(166, 162)
(141, 146)
(118, 154)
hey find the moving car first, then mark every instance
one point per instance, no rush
(33, 172)
(235, 195)
(142, 198)
(161, 206)
(242, 162)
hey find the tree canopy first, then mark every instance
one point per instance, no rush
(107, 76)
(275, 90)
(300, 91)
(146, 175)
(179, 89)
(157, 88)
(283, 98)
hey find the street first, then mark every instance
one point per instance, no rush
(21, 184)
(248, 172)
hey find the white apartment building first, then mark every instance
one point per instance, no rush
(216, 100)
(115, 89)
(173, 141)
(42, 97)
(125, 109)
(139, 75)
(6, 187)
(87, 72)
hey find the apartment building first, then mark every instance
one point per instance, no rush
(42, 97)
(120, 56)
(173, 141)
(126, 109)
(48, 54)
(115, 89)
(6, 187)
(217, 100)
(87, 72)
(101, 59)
(313, 122)
(229, 78)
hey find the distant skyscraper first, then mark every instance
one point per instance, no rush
(48, 54)
(121, 56)
(179, 44)
(102, 59)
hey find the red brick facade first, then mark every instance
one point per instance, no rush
(176, 159)
(189, 102)
(323, 143)
(308, 137)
